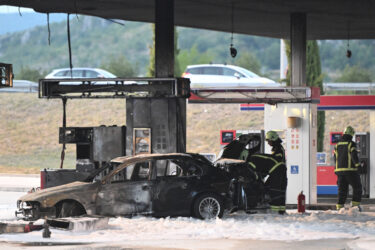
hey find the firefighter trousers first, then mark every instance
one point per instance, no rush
(343, 182)
(276, 184)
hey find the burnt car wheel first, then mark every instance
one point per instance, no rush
(69, 209)
(208, 206)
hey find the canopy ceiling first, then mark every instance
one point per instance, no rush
(326, 19)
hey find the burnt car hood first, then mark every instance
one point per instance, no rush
(58, 192)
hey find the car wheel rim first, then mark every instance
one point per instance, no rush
(209, 208)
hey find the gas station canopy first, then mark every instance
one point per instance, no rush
(334, 19)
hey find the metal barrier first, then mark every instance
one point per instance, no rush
(114, 87)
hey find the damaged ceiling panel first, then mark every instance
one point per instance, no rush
(334, 19)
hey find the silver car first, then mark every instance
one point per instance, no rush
(224, 76)
(79, 73)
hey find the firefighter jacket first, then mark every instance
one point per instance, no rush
(278, 152)
(265, 164)
(346, 156)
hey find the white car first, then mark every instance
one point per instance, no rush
(79, 73)
(224, 76)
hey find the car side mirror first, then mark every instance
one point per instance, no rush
(237, 75)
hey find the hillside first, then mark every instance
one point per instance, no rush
(29, 127)
(96, 41)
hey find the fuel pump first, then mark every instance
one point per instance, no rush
(363, 147)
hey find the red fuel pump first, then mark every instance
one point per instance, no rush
(301, 206)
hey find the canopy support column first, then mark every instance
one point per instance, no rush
(298, 49)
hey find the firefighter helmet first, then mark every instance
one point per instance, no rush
(349, 130)
(272, 136)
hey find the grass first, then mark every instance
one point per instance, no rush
(29, 127)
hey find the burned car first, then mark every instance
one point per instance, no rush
(174, 184)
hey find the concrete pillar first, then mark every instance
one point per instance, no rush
(298, 49)
(164, 38)
(165, 117)
(372, 154)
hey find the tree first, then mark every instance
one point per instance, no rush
(177, 69)
(120, 67)
(249, 61)
(314, 77)
(193, 56)
(354, 74)
(30, 74)
(151, 65)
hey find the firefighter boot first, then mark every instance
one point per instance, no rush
(357, 204)
(339, 206)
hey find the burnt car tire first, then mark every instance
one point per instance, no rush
(70, 209)
(208, 206)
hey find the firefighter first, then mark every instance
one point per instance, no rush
(273, 173)
(347, 164)
(273, 167)
(274, 141)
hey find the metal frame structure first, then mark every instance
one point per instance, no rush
(114, 88)
(256, 95)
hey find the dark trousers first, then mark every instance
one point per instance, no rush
(276, 184)
(343, 182)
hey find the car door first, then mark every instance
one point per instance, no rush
(77, 73)
(231, 78)
(128, 195)
(174, 188)
(91, 74)
(208, 77)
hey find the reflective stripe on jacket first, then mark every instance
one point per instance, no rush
(278, 153)
(270, 158)
(346, 156)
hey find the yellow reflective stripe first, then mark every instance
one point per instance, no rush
(278, 208)
(256, 175)
(280, 154)
(352, 149)
(349, 156)
(357, 164)
(355, 203)
(252, 164)
(275, 166)
(337, 160)
(339, 206)
(342, 143)
(275, 208)
(345, 169)
(265, 157)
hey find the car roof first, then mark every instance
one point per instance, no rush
(141, 157)
(238, 68)
(213, 65)
(77, 69)
(129, 160)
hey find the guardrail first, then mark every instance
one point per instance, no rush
(339, 86)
